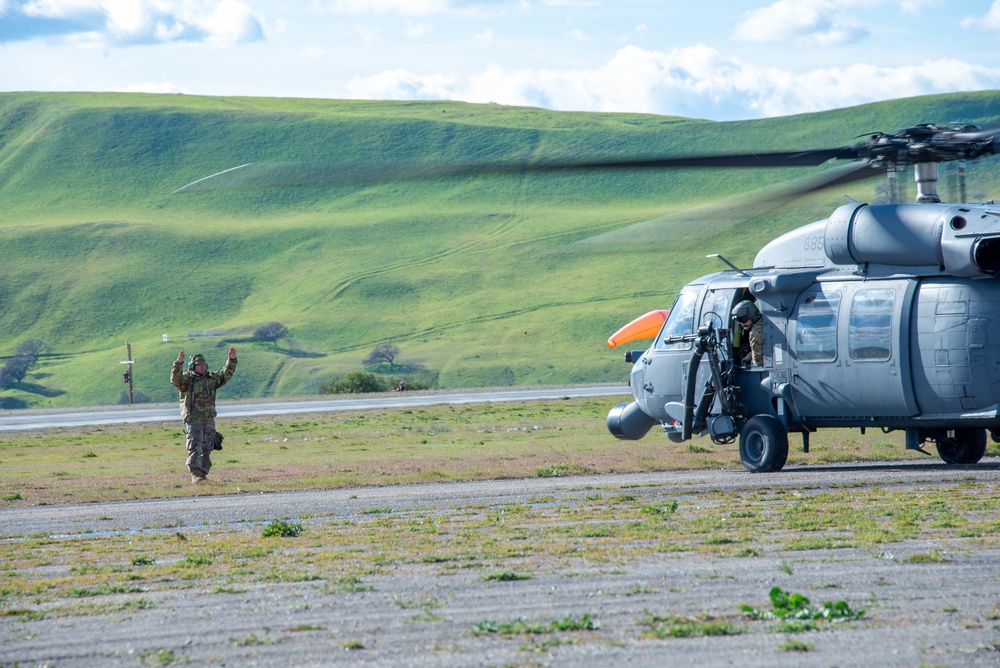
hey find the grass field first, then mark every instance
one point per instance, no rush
(480, 282)
(379, 447)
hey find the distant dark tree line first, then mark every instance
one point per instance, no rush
(18, 366)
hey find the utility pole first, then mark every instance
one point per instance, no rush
(127, 377)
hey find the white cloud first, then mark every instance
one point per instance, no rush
(696, 81)
(461, 8)
(484, 38)
(123, 22)
(312, 53)
(367, 35)
(402, 85)
(416, 29)
(991, 21)
(857, 84)
(405, 7)
(578, 35)
(151, 87)
(822, 22)
(229, 22)
(917, 6)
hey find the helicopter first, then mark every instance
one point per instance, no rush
(877, 317)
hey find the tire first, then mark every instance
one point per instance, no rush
(763, 444)
(968, 447)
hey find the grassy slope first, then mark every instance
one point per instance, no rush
(97, 251)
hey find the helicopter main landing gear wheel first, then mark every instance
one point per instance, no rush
(763, 444)
(967, 447)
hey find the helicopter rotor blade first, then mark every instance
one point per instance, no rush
(303, 174)
(857, 171)
(697, 224)
(977, 136)
(809, 158)
(917, 144)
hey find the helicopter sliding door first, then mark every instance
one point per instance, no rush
(849, 350)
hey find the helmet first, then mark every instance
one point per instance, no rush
(196, 359)
(744, 310)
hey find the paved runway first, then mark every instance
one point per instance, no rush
(43, 419)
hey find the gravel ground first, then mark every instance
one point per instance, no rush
(945, 614)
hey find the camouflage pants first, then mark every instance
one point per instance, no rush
(200, 437)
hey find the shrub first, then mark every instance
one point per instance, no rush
(137, 397)
(282, 529)
(356, 382)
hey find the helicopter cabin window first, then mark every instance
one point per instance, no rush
(679, 322)
(816, 330)
(870, 326)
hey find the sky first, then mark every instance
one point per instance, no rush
(713, 59)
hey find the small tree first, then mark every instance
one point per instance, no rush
(14, 371)
(382, 353)
(33, 349)
(272, 331)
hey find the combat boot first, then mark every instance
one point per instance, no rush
(197, 476)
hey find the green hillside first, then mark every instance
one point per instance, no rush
(483, 281)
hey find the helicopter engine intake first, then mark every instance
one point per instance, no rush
(986, 255)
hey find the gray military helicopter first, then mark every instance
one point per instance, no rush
(880, 316)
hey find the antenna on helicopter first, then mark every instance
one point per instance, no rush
(961, 181)
(731, 265)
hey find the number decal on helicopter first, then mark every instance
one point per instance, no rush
(813, 244)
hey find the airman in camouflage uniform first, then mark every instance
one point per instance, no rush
(751, 323)
(197, 387)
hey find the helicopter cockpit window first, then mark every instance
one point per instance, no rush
(679, 322)
(870, 326)
(816, 329)
(719, 315)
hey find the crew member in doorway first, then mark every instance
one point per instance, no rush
(747, 316)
